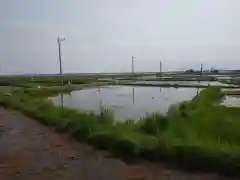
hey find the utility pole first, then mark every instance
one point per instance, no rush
(201, 69)
(59, 40)
(133, 64)
(161, 69)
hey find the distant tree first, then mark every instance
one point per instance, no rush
(189, 71)
(214, 70)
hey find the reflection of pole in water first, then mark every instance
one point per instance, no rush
(62, 100)
(197, 91)
(133, 95)
(100, 101)
(160, 89)
(101, 106)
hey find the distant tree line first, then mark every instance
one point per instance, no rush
(215, 71)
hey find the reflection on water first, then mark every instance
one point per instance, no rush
(61, 100)
(133, 95)
(126, 102)
(101, 107)
(231, 101)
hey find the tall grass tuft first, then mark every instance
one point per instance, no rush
(153, 123)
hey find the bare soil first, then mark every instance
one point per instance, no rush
(30, 150)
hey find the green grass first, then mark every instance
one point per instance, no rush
(197, 134)
(44, 80)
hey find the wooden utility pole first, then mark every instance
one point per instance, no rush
(59, 40)
(133, 64)
(161, 69)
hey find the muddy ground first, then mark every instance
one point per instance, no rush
(30, 150)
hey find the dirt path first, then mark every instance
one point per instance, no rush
(29, 150)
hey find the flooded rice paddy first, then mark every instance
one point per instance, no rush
(126, 102)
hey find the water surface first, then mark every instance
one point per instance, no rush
(126, 102)
(231, 101)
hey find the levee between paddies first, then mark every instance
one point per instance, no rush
(197, 134)
(181, 84)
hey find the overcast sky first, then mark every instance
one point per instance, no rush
(102, 35)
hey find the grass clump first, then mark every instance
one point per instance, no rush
(153, 124)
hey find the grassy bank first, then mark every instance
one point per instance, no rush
(198, 134)
(176, 85)
(184, 78)
(44, 80)
(172, 78)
